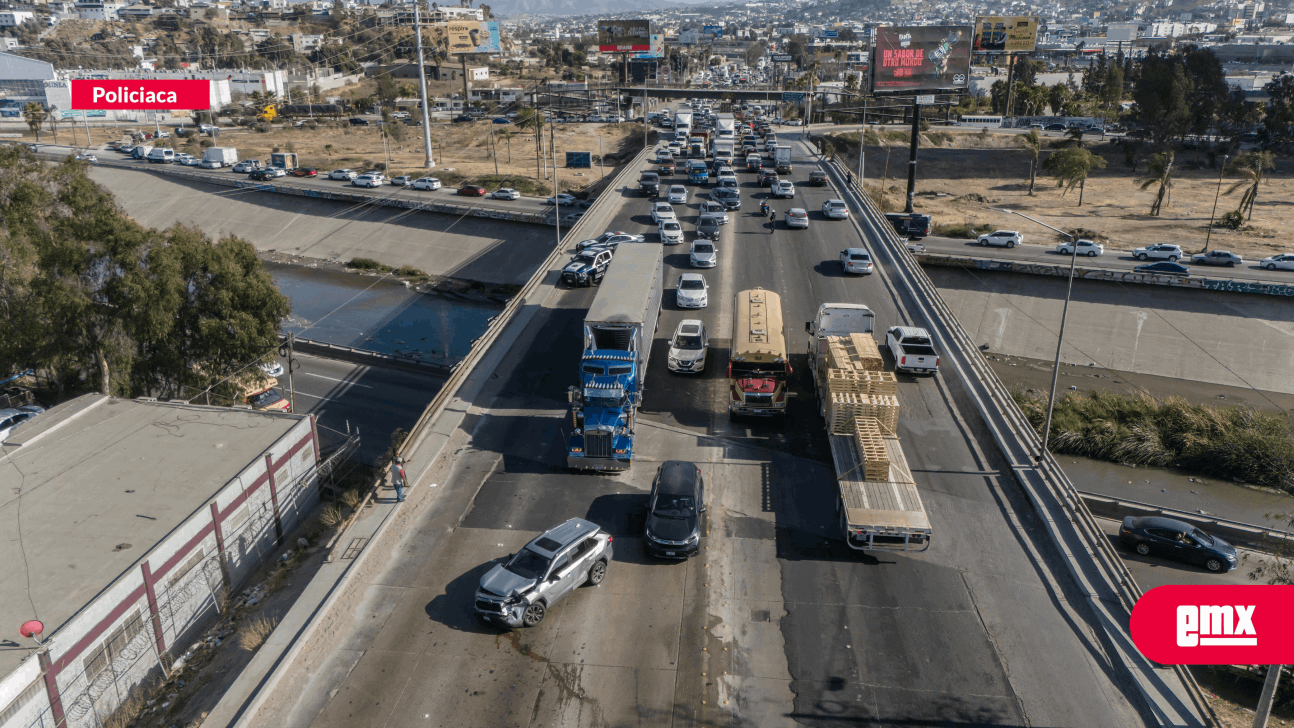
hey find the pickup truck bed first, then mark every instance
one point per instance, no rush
(890, 514)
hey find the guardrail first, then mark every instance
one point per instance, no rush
(1108, 588)
(534, 218)
(365, 356)
(1236, 533)
(1270, 288)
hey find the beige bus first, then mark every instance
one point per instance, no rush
(758, 368)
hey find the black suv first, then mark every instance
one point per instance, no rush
(674, 511)
(649, 184)
(767, 178)
(913, 225)
(587, 268)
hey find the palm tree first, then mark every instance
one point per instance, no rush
(1074, 137)
(1253, 168)
(1161, 173)
(532, 119)
(1032, 144)
(34, 114)
(1070, 167)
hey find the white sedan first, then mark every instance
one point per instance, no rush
(856, 260)
(367, 180)
(1085, 247)
(678, 195)
(429, 184)
(343, 174)
(1284, 261)
(1171, 253)
(835, 210)
(1001, 238)
(277, 171)
(210, 164)
(662, 211)
(562, 199)
(506, 193)
(692, 291)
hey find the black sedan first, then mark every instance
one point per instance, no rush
(1164, 269)
(261, 175)
(1177, 540)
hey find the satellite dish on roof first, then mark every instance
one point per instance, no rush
(32, 629)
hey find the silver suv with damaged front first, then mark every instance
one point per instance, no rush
(519, 591)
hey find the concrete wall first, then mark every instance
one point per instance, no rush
(485, 245)
(1208, 336)
(184, 573)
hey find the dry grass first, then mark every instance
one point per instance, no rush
(126, 713)
(330, 515)
(350, 498)
(997, 167)
(1237, 443)
(253, 634)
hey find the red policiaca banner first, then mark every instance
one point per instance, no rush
(1216, 625)
(137, 94)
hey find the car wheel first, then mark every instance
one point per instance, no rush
(983, 243)
(1091, 253)
(1143, 549)
(1270, 266)
(597, 572)
(1172, 259)
(534, 614)
(1011, 244)
(1231, 264)
(1141, 257)
(1214, 565)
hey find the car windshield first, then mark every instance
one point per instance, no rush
(691, 285)
(703, 248)
(1202, 537)
(688, 341)
(528, 564)
(266, 398)
(671, 226)
(674, 506)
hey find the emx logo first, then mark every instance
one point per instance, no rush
(1215, 625)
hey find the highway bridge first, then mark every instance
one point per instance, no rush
(1016, 615)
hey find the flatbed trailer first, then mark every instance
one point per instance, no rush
(878, 515)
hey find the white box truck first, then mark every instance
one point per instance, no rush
(224, 156)
(726, 126)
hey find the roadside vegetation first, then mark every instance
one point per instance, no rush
(1236, 443)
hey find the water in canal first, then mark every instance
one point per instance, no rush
(386, 317)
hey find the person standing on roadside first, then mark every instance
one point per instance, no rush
(397, 478)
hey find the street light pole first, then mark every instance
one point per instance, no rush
(1209, 235)
(422, 85)
(1064, 316)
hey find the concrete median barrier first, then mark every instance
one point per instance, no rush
(1269, 288)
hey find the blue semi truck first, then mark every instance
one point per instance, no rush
(618, 333)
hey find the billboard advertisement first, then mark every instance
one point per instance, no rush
(624, 36)
(715, 30)
(472, 36)
(916, 59)
(657, 47)
(1010, 34)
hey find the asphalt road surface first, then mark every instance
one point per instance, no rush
(1120, 260)
(776, 622)
(348, 397)
(445, 195)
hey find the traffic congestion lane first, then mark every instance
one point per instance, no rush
(372, 400)
(446, 195)
(1120, 260)
(895, 637)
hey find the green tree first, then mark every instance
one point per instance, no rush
(1058, 96)
(1278, 124)
(386, 91)
(1160, 173)
(34, 114)
(1160, 94)
(1071, 166)
(1253, 169)
(1074, 137)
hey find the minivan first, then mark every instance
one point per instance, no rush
(161, 155)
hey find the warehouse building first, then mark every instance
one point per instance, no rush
(123, 521)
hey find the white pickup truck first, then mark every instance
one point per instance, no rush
(913, 350)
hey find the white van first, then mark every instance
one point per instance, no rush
(161, 155)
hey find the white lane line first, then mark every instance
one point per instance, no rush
(343, 381)
(315, 396)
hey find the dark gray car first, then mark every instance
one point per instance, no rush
(519, 591)
(674, 511)
(707, 226)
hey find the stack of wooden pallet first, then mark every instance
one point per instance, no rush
(844, 407)
(856, 352)
(862, 382)
(871, 449)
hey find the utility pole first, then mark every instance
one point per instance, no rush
(912, 153)
(1268, 696)
(429, 163)
(462, 57)
(494, 151)
(862, 146)
(1209, 235)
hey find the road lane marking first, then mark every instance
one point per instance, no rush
(315, 396)
(343, 381)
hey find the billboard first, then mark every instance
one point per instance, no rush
(624, 36)
(781, 58)
(657, 48)
(914, 59)
(715, 30)
(1010, 34)
(472, 36)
